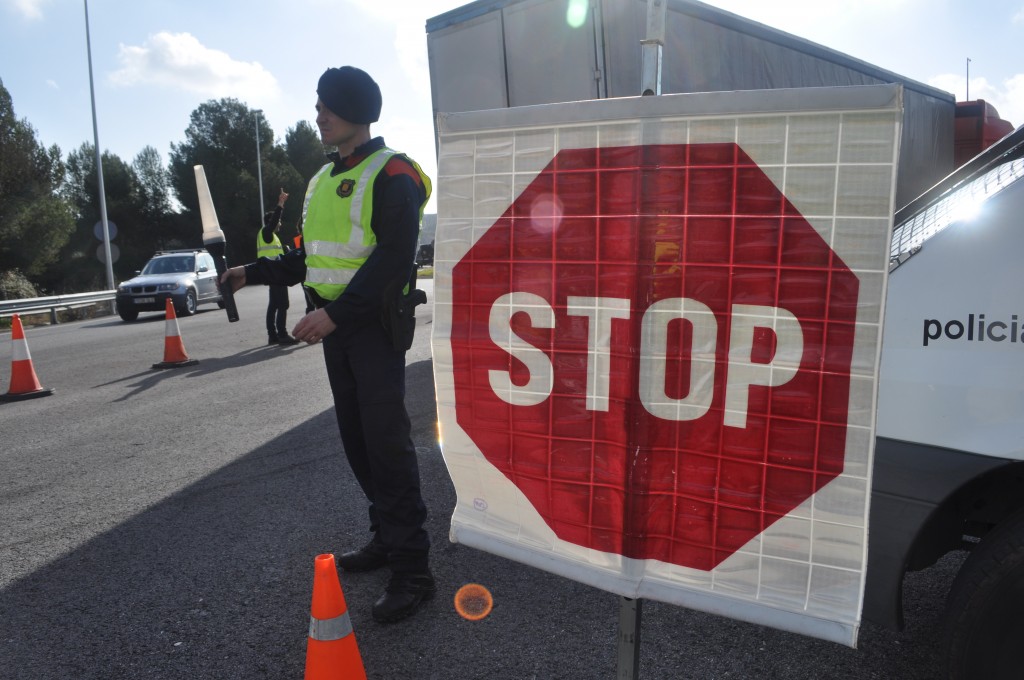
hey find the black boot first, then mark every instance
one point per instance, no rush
(404, 595)
(371, 556)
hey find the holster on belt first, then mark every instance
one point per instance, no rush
(400, 315)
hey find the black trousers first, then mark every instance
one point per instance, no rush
(367, 377)
(277, 311)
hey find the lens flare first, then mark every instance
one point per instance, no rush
(576, 13)
(473, 602)
(546, 214)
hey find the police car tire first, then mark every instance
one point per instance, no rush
(128, 315)
(984, 625)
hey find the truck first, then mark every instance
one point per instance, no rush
(948, 471)
(949, 454)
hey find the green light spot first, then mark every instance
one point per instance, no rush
(576, 13)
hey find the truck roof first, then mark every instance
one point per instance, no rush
(496, 54)
(957, 195)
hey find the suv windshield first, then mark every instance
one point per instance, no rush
(170, 265)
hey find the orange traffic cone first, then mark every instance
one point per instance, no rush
(331, 650)
(174, 348)
(24, 383)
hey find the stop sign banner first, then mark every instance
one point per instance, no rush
(657, 328)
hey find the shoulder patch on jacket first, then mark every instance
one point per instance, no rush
(398, 165)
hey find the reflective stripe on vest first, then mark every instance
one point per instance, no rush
(336, 231)
(329, 630)
(337, 216)
(264, 249)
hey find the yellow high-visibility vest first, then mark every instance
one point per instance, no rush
(272, 249)
(336, 218)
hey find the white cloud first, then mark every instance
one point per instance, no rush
(411, 50)
(28, 9)
(409, 19)
(1018, 18)
(1007, 98)
(179, 60)
(1014, 100)
(52, 84)
(406, 10)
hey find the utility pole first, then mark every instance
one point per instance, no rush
(259, 162)
(99, 160)
(968, 95)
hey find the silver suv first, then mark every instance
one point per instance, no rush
(187, 277)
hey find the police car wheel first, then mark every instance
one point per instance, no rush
(984, 626)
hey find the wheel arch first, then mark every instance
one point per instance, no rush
(927, 501)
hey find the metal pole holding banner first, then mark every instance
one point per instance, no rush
(630, 611)
(629, 639)
(652, 47)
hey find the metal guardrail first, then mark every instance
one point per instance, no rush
(54, 303)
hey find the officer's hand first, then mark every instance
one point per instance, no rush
(236, 275)
(282, 197)
(314, 327)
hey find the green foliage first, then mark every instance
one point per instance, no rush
(138, 206)
(49, 207)
(221, 137)
(14, 286)
(304, 149)
(35, 221)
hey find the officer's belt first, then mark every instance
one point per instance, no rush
(314, 297)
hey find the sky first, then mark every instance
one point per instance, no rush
(155, 61)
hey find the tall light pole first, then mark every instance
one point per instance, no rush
(99, 161)
(968, 96)
(259, 162)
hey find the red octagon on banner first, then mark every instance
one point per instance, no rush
(595, 326)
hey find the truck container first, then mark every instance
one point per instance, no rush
(503, 53)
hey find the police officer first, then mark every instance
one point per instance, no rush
(361, 221)
(268, 244)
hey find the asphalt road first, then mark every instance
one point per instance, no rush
(164, 524)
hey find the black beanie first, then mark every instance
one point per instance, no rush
(351, 94)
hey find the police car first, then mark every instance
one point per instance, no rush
(187, 277)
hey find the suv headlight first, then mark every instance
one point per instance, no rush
(167, 286)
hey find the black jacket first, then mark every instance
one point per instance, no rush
(398, 194)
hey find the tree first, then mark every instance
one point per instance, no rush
(138, 205)
(152, 187)
(152, 196)
(304, 149)
(35, 221)
(278, 173)
(221, 137)
(80, 266)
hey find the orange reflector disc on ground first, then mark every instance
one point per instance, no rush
(473, 602)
